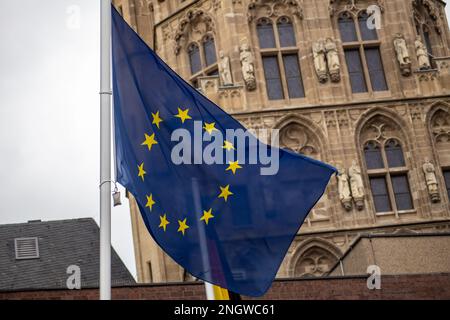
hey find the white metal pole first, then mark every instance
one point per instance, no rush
(105, 150)
(209, 289)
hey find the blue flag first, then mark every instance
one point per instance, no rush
(225, 208)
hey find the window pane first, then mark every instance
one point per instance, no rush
(401, 190)
(426, 35)
(366, 33)
(394, 153)
(347, 27)
(286, 32)
(194, 58)
(447, 181)
(210, 51)
(375, 67)
(372, 153)
(353, 60)
(272, 75)
(293, 76)
(265, 33)
(380, 194)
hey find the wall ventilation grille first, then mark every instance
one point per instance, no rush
(26, 248)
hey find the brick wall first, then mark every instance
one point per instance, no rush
(421, 286)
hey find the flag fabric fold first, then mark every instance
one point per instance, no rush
(225, 223)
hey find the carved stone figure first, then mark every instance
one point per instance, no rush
(224, 69)
(422, 55)
(430, 178)
(248, 67)
(403, 58)
(356, 184)
(334, 66)
(344, 188)
(320, 63)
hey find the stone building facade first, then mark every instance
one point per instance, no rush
(361, 84)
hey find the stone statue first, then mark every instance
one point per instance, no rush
(344, 188)
(320, 63)
(430, 178)
(224, 69)
(422, 54)
(334, 66)
(356, 184)
(248, 66)
(403, 58)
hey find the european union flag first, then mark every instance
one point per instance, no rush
(207, 200)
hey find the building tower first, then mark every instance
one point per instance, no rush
(361, 84)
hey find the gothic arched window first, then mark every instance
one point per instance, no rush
(362, 53)
(366, 32)
(286, 32)
(388, 175)
(265, 33)
(279, 54)
(202, 59)
(194, 58)
(347, 27)
(209, 48)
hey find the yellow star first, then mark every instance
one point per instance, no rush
(183, 115)
(210, 127)
(150, 202)
(233, 166)
(156, 119)
(206, 216)
(182, 226)
(149, 141)
(228, 145)
(141, 171)
(164, 222)
(225, 192)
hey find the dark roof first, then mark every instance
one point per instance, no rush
(61, 243)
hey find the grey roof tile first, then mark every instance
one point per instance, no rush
(61, 243)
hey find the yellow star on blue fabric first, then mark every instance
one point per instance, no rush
(149, 141)
(228, 145)
(210, 127)
(225, 192)
(156, 119)
(182, 226)
(183, 115)
(141, 172)
(207, 215)
(164, 222)
(150, 202)
(233, 166)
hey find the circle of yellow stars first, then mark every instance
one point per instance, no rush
(225, 192)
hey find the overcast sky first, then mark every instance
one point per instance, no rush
(49, 116)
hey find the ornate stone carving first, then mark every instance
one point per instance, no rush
(320, 62)
(195, 21)
(248, 66)
(344, 188)
(334, 66)
(403, 58)
(430, 178)
(433, 12)
(351, 5)
(422, 55)
(273, 8)
(295, 137)
(314, 262)
(224, 69)
(356, 184)
(440, 126)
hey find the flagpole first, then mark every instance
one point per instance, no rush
(105, 150)
(209, 288)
